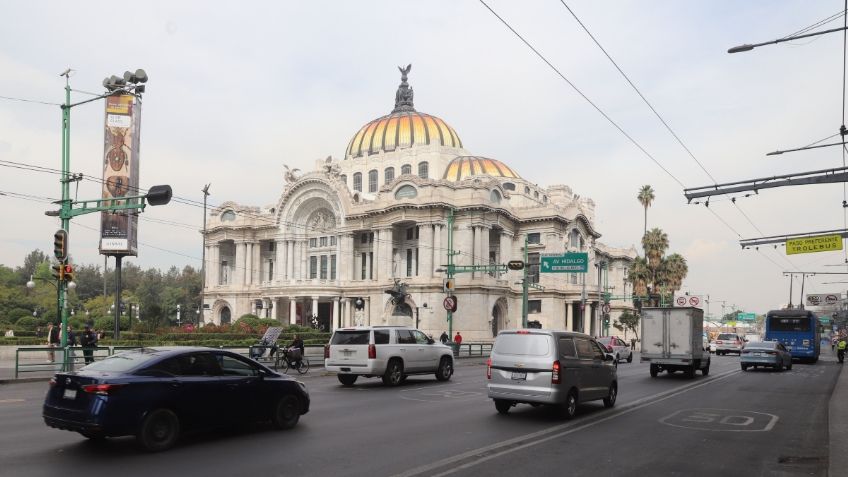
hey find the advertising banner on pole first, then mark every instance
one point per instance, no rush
(119, 229)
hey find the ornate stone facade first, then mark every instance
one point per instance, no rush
(340, 236)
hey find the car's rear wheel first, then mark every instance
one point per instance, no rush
(789, 366)
(569, 407)
(706, 369)
(445, 370)
(690, 372)
(778, 367)
(609, 401)
(744, 367)
(347, 379)
(654, 370)
(394, 373)
(286, 412)
(630, 358)
(159, 430)
(502, 406)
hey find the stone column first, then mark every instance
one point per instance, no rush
(304, 259)
(425, 251)
(238, 267)
(335, 322)
(367, 310)
(248, 264)
(293, 310)
(345, 311)
(478, 250)
(506, 248)
(387, 235)
(314, 310)
(568, 317)
(439, 255)
(290, 259)
(280, 261)
(257, 263)
(369, 270)
(485, 247)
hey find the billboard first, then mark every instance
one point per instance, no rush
(819, 299)
(119, 229)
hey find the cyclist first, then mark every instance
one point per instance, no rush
(297, 343)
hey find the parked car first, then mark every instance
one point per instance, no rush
(767, 354)
(556, 368)
(157, 393)
(617, 348)
(389, 352)
(729, 343)
(713, 347)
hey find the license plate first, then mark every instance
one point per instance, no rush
(519, 376)
(758, 354)
(70, 394)
(789, 348)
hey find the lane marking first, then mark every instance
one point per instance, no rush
(720, 420)
(498, 449)
(5, 401)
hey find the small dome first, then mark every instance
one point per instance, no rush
(464, 167)
(401, 130)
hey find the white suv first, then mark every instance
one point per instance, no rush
(391, 352)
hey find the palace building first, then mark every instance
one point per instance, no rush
(340, 237)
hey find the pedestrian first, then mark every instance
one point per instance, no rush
(88, 341)
(840, 349)
(39, 333)
(53, 341)
(71, 341)
(444, 338)
(458, 338)
(833, 343)
(633, 344)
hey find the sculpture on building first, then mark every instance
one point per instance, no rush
(331, 168)
(291, 175)
(403, 96)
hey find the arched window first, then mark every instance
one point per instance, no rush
(509, 186)
(228, 216)
(526, 190)
(225, 316)
(405, 169)
(343, 178)
(357, 182)
(372, 180)
(389, 175)
(576, 239)
(496, 197)
(406, 192)
(423, 169)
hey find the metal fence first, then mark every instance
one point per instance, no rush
(52, 360)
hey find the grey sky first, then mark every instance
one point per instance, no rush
(238, 89)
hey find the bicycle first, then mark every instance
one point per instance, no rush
(293, 360)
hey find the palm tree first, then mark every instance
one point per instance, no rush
(646, 198)
(676, 270)
(655, 243)
(640, 276)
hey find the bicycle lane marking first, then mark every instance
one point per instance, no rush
(498, 449)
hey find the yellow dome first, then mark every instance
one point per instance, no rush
(464, 167)
(402, 128)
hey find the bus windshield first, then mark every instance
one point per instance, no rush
(789, 324)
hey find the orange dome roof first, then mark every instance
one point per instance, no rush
(401, 130)
(464, 167)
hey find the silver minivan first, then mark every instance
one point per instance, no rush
(559, 368)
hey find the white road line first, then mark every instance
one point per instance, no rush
(499, 449)
(5, 401)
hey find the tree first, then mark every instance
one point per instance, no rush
(646, 198)
(628, 321)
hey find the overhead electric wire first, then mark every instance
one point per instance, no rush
(23, 100)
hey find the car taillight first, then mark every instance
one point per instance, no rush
(555, 373)
(771, 352)
(489, 368)
(372, 351)
(719, 342)
(326, 351)
(102, 389)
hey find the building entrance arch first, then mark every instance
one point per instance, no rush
(225, 315)
(499, 313)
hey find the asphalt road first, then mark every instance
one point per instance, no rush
(728, 423)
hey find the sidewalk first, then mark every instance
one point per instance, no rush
(838, 424)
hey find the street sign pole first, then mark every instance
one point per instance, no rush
(524, 288)
(450, 267)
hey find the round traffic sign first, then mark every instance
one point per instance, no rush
(681, 301)
(450, 303)
(694, 301)
(607, 308)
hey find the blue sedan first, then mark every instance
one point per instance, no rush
(157, 393)
(771, 354)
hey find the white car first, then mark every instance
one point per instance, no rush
(389, 352)
(617, 348)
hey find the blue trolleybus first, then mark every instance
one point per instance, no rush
(798, 330)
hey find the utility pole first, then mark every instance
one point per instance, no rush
(524, 288)
(450, 267)
(203, 260)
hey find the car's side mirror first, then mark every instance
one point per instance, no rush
(608, 357)
(430, 341)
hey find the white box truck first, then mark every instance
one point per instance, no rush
(672, 340)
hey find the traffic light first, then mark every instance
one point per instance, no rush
(60, 245)
(515, 265)
(68, 272)
(448, 285)
(58, 271)
(606, 319)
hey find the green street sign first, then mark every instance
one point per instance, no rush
(575, 262)
(746, 316)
